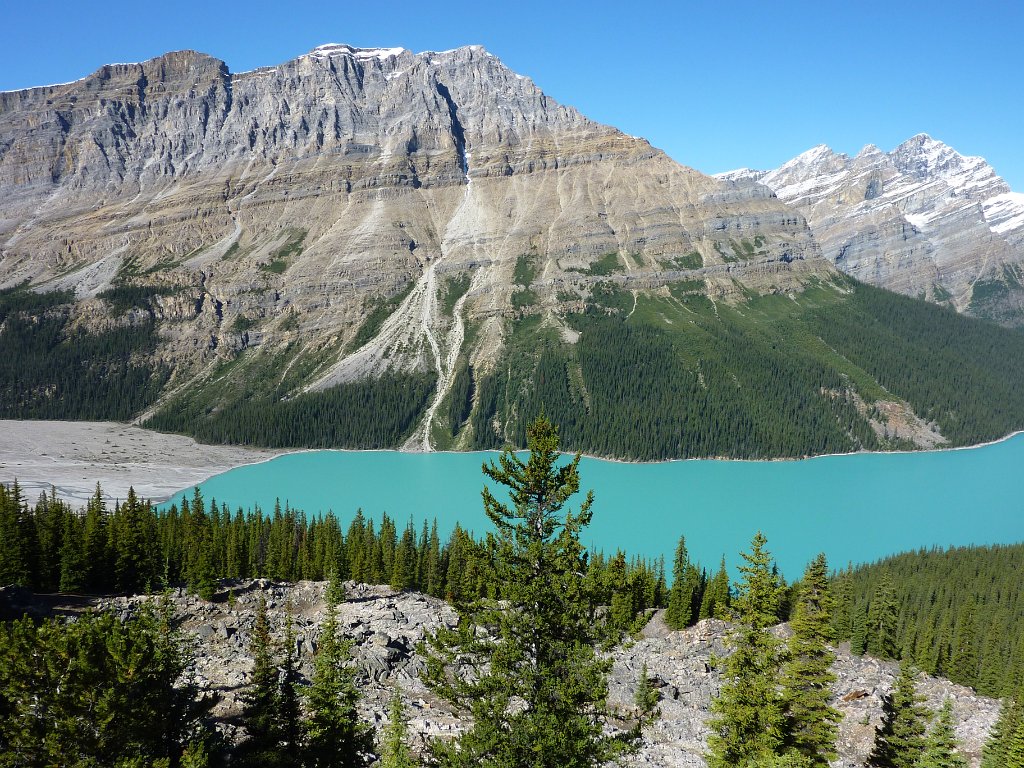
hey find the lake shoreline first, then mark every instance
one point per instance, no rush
(181, 458)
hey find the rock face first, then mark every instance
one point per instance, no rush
(283, 204)
(922, 220)
(386, 628)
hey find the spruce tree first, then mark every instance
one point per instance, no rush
(681, 597)
(940, 750)
(899, 740)
(289, 715)
(717, 598)
(260, 711)
(1011, 719)
(334, 735)
(394, 748)
(811, 723)
(646, 697)
(532, 679)
(748, 721)
(883, 621)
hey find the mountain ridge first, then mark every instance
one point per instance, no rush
(416, 245)
(922, 219)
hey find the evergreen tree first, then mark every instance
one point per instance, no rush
(289, 715)
(394, 748)
(334, 736)
(683, 594)
(260, 711)
(647, 696)
(997, 748)
(963, 661)
(899, 740)
(811, 723)
(883, 621)
(717, 599)
(101, 690)
(940, 750)
(748, 722)
(537, 690)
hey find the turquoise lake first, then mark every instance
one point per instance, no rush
(854, 508)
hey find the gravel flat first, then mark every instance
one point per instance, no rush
(72, 456)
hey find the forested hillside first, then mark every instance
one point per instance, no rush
(958, 613)
(779, 375)
(51, 369)
(654, 375)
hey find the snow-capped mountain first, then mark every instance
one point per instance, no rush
(923, 220)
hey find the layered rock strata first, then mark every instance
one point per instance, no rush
(922, 220)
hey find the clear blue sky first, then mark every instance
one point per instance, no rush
(717, 85)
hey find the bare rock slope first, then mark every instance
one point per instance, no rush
(387, 627)
(923, 220)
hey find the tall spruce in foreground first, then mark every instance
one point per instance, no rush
(334, 735)
(394, 748)
(899, 740)
(260, 711)
(533, 681)
(748, 724)
(811, 723)
(940, 749)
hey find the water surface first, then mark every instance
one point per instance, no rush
(854, 508)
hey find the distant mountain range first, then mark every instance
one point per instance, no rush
(371, 247)
(922, 220)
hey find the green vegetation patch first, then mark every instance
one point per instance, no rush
(121, 297)
(49, 371)
(524, 298)
(608, 264)
(280, 259)
(526, 270)
(691, 260)
(957, 611)
(378, 313)
(241, 324)
(454, 288)
(775, 375)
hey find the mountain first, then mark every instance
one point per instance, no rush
(376, 248)
(922, 220)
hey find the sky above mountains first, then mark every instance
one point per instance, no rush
(717, 86)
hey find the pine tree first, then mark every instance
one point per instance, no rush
(537, 689)
(963, 661)
(811, 723)
(899, 740)
(334, 735)
(747, 721)
(647, 696)
(394, 748)
(997, 748)
(883, 621)
(288, 713)
(260, 711)
(681, 597)
(940, 750)
(717, 598)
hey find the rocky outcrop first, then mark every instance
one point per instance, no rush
(281, 206)
(922, 220)
(387, 628)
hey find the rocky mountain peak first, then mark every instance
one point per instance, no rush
(297, 199)
(922, 219)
